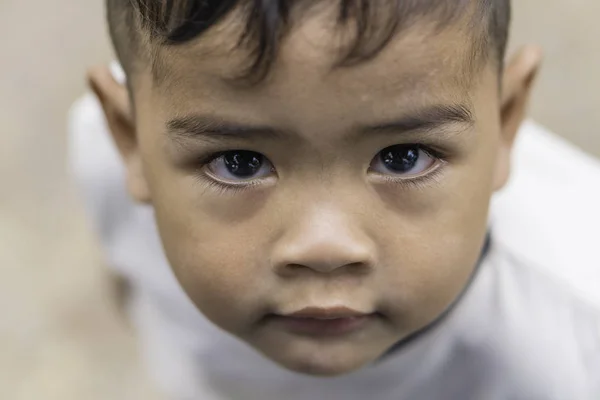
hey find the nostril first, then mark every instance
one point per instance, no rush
(357, 268)
(291, 270)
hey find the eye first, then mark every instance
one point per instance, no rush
(404, 160)
(239, 166)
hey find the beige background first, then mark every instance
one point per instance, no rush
(59, 336)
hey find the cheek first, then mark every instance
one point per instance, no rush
(214, 245)
(427, 274)
(438, 239)
(220, 263)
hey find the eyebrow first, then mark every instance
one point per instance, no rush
(426, 119)
(211, 127)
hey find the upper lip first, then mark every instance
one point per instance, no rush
(327, 313)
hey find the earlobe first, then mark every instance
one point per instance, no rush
(115, 102)
(518, 80)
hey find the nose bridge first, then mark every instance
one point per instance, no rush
(323, 237)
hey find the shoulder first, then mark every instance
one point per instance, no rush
(524, 281)
(549, 329)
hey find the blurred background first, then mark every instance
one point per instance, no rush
(60, 337)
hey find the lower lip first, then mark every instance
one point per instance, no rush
(324, 327)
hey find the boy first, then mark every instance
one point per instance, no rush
(321, 173)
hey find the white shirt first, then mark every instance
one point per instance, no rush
(527, 328)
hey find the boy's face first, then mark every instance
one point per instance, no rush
(357, 197)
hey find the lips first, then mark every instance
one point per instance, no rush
(327, 313)
(324, 322)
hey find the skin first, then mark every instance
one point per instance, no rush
(329, 226)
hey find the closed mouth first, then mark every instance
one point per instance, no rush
(326, 313)
(324, 322)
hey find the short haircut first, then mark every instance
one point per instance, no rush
(136, 24)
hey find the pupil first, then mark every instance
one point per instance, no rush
(400, 158)
(243, 164)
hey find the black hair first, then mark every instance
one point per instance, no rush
(173, 22)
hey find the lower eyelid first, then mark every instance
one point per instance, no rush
(247, 184)
(210, 175)
(222, 188)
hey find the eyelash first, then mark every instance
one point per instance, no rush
(417, 183)
(225, 188)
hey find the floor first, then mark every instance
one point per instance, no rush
(60, 337)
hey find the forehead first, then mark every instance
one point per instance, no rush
(423, 63)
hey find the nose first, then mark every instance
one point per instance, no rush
(323, 241)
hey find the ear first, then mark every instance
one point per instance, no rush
(518, 79)
(115, 101)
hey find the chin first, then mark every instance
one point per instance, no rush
(331, 356)
(322, 364)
